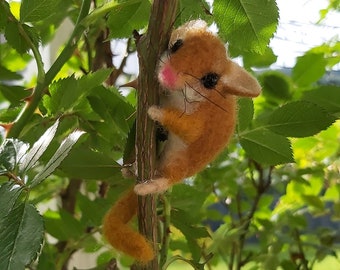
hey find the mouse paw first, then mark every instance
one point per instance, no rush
(155, 113)
(152, 187)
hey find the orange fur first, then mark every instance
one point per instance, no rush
(120, 235)
(200, 119)
(199, 112)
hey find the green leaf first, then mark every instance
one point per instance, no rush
(68, 93)
(8, 197)
(38, 148)
(11, 152)
(13, 93)
(275, 86)
(299, 119)
(37, 10)
(309, 68)
(128, 16)
(14, 38)
(6, 74)
(314, 201)
(21, 234)
(88, 164)
(247, 25)
(32, 34)
(267, 147)
(63, 150)
(327, 96)
(92, 211)
(9, 115)
(92, 80)
(112, 106)
(271, 262)
(4, 10)
(245, 113)
(191, 232)
(182, 198)
(191, 10)
(63, 95)
(7, 156)
(129, 154)
(224, 236)
(62, 225)
(259, 60)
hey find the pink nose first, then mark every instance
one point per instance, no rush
(167, 76)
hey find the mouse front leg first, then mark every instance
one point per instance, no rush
(186, 126)
(156, 113)
(160, 184)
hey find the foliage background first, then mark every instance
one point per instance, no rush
(261, 205)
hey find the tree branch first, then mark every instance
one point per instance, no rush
(149, 48)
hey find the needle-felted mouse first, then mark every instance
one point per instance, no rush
(198, 109)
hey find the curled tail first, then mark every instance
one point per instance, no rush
(118, 233)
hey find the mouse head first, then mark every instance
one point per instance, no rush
(197, 64)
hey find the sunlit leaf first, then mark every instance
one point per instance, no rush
(300, 119)
(63, 150)
(39, 147)
(9, 115)
(259, 60)
(270, 262)
(191, 10)
(248, 25)
(67, 93)
(36, 10)
(313, 201)
(128, 16)
(309, 68)
(191, 232)
(225, 235)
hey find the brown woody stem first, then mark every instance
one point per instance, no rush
(150, 47)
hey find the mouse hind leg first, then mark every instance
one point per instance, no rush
(157, 185)
(169, 174)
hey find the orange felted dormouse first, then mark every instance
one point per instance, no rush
(198, 109)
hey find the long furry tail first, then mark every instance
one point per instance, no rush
(118, 233)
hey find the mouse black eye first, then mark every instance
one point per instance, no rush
(210, 80)
(174, 47)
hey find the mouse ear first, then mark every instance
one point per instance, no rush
(190, 26)
(196, 24)
(239, 82)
